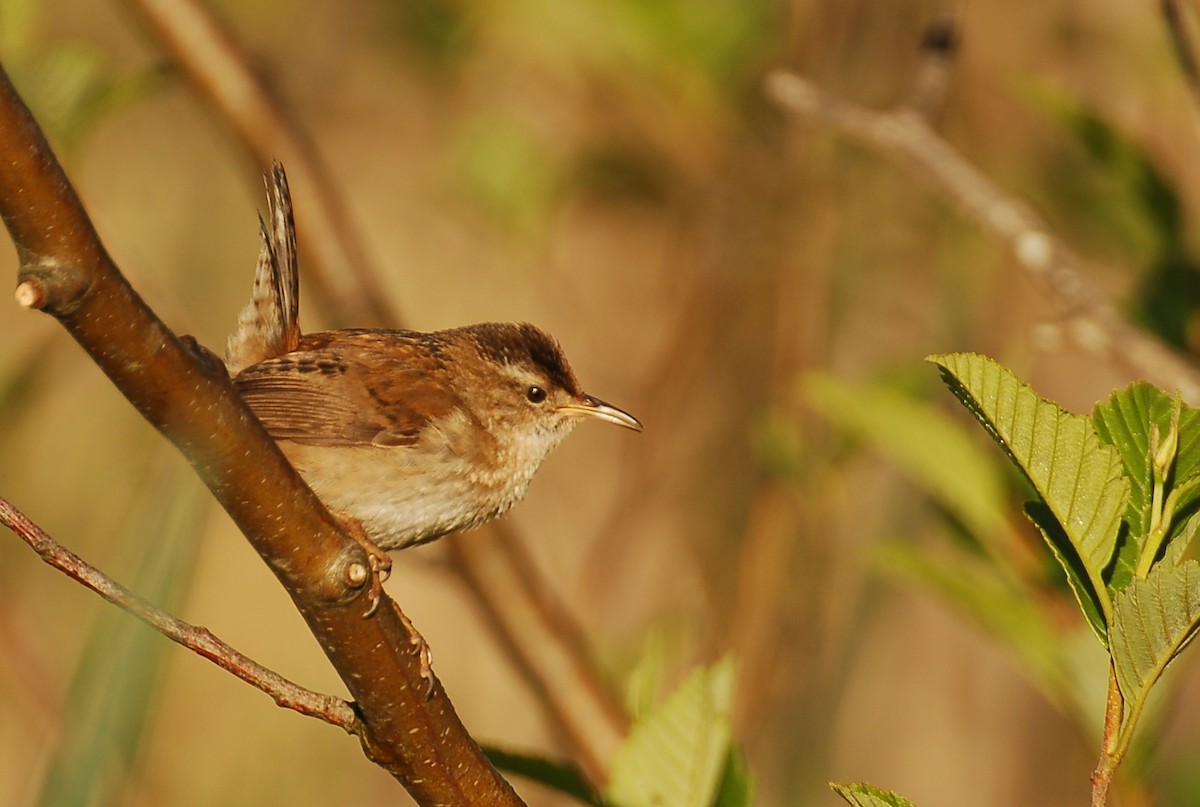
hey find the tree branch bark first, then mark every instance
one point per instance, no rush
(409, 725)
(541, 638)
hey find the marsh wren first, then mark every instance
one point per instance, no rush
(410, 435)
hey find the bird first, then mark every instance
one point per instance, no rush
(405, 436)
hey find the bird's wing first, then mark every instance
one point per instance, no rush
(348, 388)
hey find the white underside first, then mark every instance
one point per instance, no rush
(400, 505)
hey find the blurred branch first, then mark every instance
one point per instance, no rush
(1185, 52)
(494, 569)
(939, 48)
(199, 640)
(408, 725)
(510, 593)
(1090, 321)
(215, 65)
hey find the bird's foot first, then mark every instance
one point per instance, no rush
(379, 560)
(422, 650)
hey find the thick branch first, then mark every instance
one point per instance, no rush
(410, 727)
(1091, 321)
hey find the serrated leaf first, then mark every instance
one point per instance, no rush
(676, 754)
(1178, 547)
(1124, 421)
(1080, 478)
(861, 795)
(1153, 620)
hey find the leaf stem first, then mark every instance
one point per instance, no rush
(1162, 517)
(1163, 451)
(1113, 744)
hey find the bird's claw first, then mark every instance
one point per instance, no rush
(381, 568)
(423, 651)
(380, 564)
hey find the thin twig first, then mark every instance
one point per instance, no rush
(200, 641)
(1090, 320)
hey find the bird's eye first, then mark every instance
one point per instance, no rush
(535, 395)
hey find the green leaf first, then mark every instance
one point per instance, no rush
(677, 753)
(643, 682)
(1080, 478)
(1114, 188)
(1178, 547)
(737, 785)
(18, 28)
(561, 775)
(925, 443)
(1153, 620)
(868, 796)
(73, 88)
(978, 590)
(1124, 421)
(505, 169)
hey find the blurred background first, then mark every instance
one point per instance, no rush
(759, 291)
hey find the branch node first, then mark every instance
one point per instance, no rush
(357, 574)
(30, 294)
(210, 361)
(52, 286)
(348, 576)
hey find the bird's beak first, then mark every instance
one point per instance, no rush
(596, 408)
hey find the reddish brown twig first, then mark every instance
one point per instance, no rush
(200, 641)
(409, 726)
